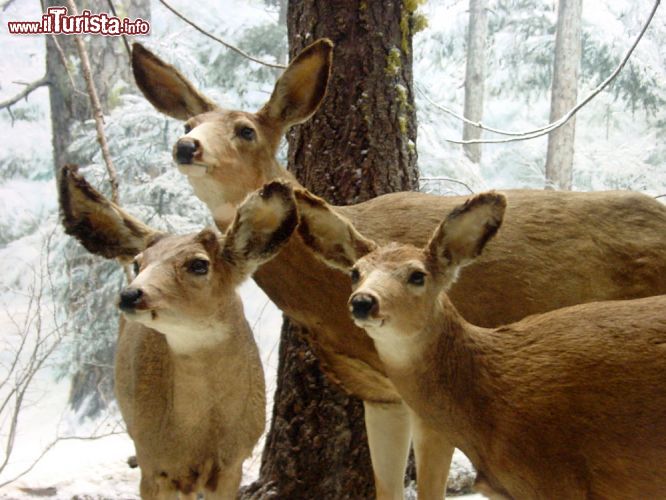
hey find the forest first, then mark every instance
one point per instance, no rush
(445, 97)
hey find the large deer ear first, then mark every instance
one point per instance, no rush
(165, 88)
(101, 226)
(302, 86)
(262, 225)
(331, 237)
(462, 236)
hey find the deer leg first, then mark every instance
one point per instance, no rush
(433, 459)
(227, 484)
(388, 437)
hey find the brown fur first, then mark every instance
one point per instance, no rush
(539, 252)
(194, 414)
(566, 404)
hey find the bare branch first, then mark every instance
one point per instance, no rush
(6, 5)
(43, 81)
(63, 60)
(97, 109)
(532, 134)
(446, 179)
(660, 196)
(125, 42)
(52, 445)
(219, 40)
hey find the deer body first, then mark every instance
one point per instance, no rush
(555, 251)
(194, 417)
(188, 377)
(564, 404)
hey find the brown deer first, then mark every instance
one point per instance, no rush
(565, 404)
(188, 377)
(557, 249)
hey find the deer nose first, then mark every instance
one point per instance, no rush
(130, 298)
(362, 305)
(185, 149)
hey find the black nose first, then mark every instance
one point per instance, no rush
(130, 298)
(185, 149)
(362, 305)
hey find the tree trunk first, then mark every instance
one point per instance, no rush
(559, 162)
(475, 75)
(360, 144)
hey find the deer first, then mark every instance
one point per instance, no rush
(564, 404)
(188, 377)
(226, 154)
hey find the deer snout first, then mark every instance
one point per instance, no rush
(185, 150)
(130, 299)
(363, 305)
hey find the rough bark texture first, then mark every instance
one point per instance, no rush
(559, 162)
(360, 144)
(475, 75)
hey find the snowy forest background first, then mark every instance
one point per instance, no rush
(57, 316)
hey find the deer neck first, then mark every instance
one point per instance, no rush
(223, 199)
(441, 371)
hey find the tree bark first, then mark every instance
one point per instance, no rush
(360, 144)
(475, 75)
(564, 93)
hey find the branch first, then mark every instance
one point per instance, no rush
(97, 109)
(125, 42)
(219, 40)
(660, 196)
(532, 134)
(43, 81)
(446, 179)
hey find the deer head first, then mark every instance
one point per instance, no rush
(227, 154)
(182, 285)
(396, 286)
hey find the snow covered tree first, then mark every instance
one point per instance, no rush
(475, 75)
(566, 68)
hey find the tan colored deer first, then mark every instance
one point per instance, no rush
(566, 404)
(557, 249)
(188, 377)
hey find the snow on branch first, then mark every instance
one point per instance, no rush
(538, 132)
(43, 81)
(219, 40)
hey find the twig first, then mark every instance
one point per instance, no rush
(25, 92)
(660, 196)
(532, 134)
(96, 108)
(219, 40)
(63, 59)
(125, 42)
(50, 447)
(6, 5)
(446, 179)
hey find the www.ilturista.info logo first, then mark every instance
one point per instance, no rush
(56, 21)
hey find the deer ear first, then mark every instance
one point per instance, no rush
(262, 225)
(331, 237)
(302, 86)
(462, 236)
(101, 226)
(165, 88)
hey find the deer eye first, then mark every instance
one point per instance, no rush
(417, 278)
(198, 266)
(354, 276)
(246, 133)
(188, 128)
(136, 268)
